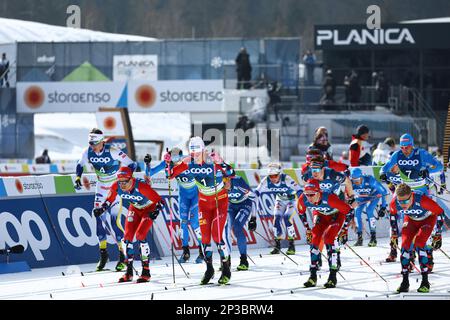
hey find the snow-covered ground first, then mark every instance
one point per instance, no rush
(270, 277)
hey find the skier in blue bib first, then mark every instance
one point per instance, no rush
(241, 208)
(368, 192)
(187, 201)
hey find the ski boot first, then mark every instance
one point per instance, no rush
(128, 276)
(277, 248)
(332, 280)
(312, 281)
(120, 266)
(209, 273)
(291, 247)
(200, 257)
(185, 255)
(392, 256)
(404, 286)
(359, 241)
(424, 285)
(373, 240)
(145, 275)
(226, 271)
(104, 257)
(243, 265)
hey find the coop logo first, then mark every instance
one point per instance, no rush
(364, 37)
(408, 162)
(321, 209)
(234, 195)
(413, 212)
(131, 197)
(395, 179)
(201, 170)
(279, 189)
(361, 191)
(34, 97)
(99, 160)
(145, 96)
(119, 145)
(326, 186)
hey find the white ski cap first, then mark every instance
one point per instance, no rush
(95, 138)
(196, 144)
(274, 168)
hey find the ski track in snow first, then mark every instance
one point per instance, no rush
(273, 277)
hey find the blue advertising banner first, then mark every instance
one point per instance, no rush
(55, 230)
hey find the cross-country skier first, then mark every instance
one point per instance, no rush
(330, 181)
(415, 166)
(421, 214)
(285, 189)
(330, 213)
(240, 209)
(208, 171)
(105, 159)
(187, 203)
(144, 205)
(368, 192)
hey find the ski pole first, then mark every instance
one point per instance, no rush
(365, 262)
(171, 221)
(444, 253)
(216, 200)
(274, 247)
(61, 242)
(325, 257)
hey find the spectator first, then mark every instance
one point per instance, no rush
(320, 130)
(383, 152)
(243, 69)
(44, 158)
(329, 88)
(381, 88)
(273, 92)
(4, 70)
(309, 59)
(347, 88)
(321, 143)
(344, 158)
(359, 151)
(354, 88)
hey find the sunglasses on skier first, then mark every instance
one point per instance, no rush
(406, 201)
(309, 195)
(316, 169)
(123, 182)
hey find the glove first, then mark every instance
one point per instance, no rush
(77, 183)
(147, 158)
(215, 157)
(347, 173)
(308, 236)
(382, 212)
(252, 224)
(383, 177)
(99, 211)
(154, 214)
(343, 237)
(442, 188)
(424, 174)
(167, 157)
(351, 200)
(394, 241)
(436, 242)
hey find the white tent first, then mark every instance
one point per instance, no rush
(12, 30)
